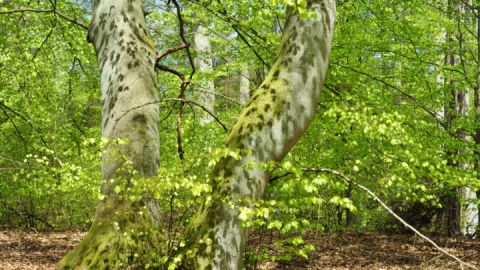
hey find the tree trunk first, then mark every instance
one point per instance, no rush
(477, 119)
(204, 63)
(244, 87)
(456, 106)
(126, 56)
(270, 124)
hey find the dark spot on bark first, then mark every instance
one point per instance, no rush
(120, 78)
(276, 74)
(304, 77)
(302, 108)
(294, 34)
(140, 118)
(288, 105)
(285, 127)
(261, 155)
(112, 25)
(302, 23)
(129, 66)
(245, 174)
(120, 89)
(267, 108)
(111, 104)
(228, 172)
(137, 63)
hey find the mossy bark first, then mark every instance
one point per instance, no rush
(122, 230)
(270, 124)
(120, 238)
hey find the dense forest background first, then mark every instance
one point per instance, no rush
(399, 114)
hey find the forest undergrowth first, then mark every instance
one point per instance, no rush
(336, 251)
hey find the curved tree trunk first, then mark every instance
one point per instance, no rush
(270, 124)
(125, 54)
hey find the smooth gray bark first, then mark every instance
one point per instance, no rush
(270, 124)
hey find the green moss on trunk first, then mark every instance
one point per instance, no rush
(122, 237)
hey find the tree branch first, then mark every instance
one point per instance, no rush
(54, 11)
(387, 208)
(170, 70)
(168, 51)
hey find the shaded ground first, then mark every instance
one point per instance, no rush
(30, 250)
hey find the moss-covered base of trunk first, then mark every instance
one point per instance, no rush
(122, 237)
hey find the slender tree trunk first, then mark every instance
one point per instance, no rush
(477, 118)
(244, 86)
(204, 63)
(270, 124)
(456, 106)
(125, 55)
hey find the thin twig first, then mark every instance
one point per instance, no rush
(63, 16)
(176, 100)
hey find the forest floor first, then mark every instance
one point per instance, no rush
(41, 250)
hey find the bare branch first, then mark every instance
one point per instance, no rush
(168, 51)
(170, 70)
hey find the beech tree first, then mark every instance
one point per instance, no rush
(276, 117)
(126, 57)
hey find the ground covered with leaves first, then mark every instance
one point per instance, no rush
(41, 250)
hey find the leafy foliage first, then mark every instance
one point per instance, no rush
(383, 118)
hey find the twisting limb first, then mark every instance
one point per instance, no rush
(389, 210)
